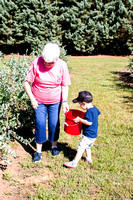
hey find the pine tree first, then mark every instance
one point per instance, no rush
(33, 23)
(7, 10)
(97, 26)
(83, 27)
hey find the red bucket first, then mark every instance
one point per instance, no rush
(70, 126)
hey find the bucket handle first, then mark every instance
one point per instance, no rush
(66, 123)
(71, 124)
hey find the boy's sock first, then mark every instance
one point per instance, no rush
(88, 159)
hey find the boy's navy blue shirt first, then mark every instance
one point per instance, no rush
(91, 115)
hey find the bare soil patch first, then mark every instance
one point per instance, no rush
(17, 180)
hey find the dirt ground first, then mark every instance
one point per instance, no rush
(15, 180)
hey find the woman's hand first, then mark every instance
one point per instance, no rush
(34, 103)
(65, 107)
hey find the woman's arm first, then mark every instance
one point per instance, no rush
(84, 121)
(27, 88)
(64, 97)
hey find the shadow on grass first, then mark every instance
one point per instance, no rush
(26, 134)
(67, 151)
(126, 83)
(125, 77)
(31, 147)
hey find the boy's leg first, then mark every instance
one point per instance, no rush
(80, 150)
(78, 156)
(88, 149)
(88, 155)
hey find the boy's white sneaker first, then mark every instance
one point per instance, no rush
(70, 164)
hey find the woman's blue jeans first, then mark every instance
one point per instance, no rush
(41, 113)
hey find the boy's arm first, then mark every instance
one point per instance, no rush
(84, 121)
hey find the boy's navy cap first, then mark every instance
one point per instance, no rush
(84, 96)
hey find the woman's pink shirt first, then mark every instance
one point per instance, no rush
(47, 82)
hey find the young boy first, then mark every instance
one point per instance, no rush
(90, 127)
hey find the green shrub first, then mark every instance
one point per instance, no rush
(5, 149)
(16, 111)
(130, 65)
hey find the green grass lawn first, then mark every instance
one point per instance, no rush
(109, 176)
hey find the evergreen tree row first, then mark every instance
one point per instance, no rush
(82, 27)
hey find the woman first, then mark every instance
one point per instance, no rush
(50, 80)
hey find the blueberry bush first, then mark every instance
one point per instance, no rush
(16, 113)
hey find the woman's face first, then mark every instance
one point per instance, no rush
(49, 64)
